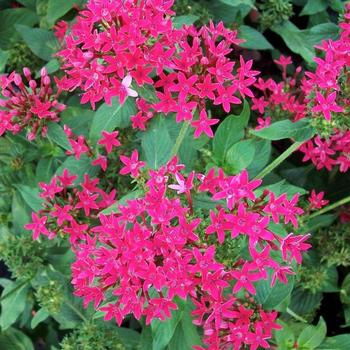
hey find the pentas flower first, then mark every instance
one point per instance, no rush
(138, 40)
(28, 107)
(132, 164)
(155, 248)
(107, 47)
(109, 140)
(203, 125)
(326, 105)
(316, 200)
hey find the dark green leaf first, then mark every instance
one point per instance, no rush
(304, 302)
(179, 21)
(110, 117)
(42, 42)
(13, 305)
(56, 134)
(57, 8)
(284, 129)
(8, 19)
(78, 167)
(229, 132)
(312, 336)
(13, 339)
(163, 331)
(254, 39)
(261, 157)
(156, 143)
(4, 55)
(20, 214)
(240, 156)
(31, 196)
(314, 6)
(272, 297)
(339, 342)
(40, 316)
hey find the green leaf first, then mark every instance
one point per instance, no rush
(281, 187)
(146, 338)
(240, 156)
(261, 157)
(42, 42)
(8, 19)
(156, 143)
(45, 169)
(345, 290)
(163, 331)
(110, 117)
(31, 4)
(314, 6)
(179, 21)
(78, 119)
(237, 3)
(302, 42)
(13, 339)
(330, 283)
(320, 32)
(254, 39)
(20, 213)
(339, 342)
(186, 333)
(58, 8)
(52, 66)
(285, 337)
(78, 167)
(4, 55)
(229, 132)
(56, 134)
(31, 196)
(67, 317)
(272, 297)
(284, 129)
(129, 337)
(295, 39)
(337, 5)
(39, 317)
(13, 305)
(304, 302)
(312, 336)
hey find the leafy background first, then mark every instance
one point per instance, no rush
(38, 310)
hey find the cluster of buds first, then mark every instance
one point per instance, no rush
(28, 108)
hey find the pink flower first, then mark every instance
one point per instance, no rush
(292, 246)
(202, 125)
(109, 140)
(316, 200)
(326, 105)
(37, 226)
(244, 279)
(132, 164)
(79, 147)
(183, 185)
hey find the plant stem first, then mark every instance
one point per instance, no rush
(330, 207)
(279, 160)
(77, 311)
(180, 138)
(297, 317)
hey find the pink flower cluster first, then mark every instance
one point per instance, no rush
(329, 153)
(150, 250)
(113, 42)
(322, 95)
(30, 107)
